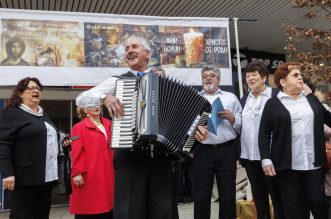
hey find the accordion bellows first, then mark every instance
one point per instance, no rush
(160, 114)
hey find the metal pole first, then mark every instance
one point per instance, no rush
(71, 117)
(241, 91)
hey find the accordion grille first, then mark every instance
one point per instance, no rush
(179, 106)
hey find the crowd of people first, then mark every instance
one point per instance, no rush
(278, 135)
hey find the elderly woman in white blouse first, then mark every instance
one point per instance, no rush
(253, 105)
(291, 142)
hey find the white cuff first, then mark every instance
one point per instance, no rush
(266, 162)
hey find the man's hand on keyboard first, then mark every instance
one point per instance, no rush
(114, 106)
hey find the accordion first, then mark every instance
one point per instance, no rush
(161, 115)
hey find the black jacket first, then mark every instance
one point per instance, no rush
(275, 127)
(23, 139)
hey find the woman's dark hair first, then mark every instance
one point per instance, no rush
(283, 70)
(258, 66)
(15, 100)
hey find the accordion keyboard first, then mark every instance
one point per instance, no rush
(122, 133)
(199, 121)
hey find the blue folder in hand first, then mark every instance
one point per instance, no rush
(214, 120)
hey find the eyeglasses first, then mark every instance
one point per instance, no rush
(296, 75)
(33, 88)
(205, 76)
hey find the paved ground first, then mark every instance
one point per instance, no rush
(185, 212)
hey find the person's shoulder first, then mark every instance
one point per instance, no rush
(311, 96)
(78, 125)
(11, 111)
(272, 101)
(313, 100)
(45, 114)
(23, 62)
(244, 97)
(229, 94)
(226, 92)
(11, 114)
(105, 120)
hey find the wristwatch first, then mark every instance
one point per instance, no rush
(102, 98)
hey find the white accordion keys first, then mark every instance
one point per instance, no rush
(122, 129)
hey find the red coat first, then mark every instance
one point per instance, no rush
(93, 158)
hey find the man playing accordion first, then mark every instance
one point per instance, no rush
(143, 184)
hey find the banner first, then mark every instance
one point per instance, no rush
(67, 49)
(271, 60)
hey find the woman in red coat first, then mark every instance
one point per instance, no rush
(92, 164)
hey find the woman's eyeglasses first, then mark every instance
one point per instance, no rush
(33, 88)
(296, 75)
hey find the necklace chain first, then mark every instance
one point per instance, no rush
(95, 122)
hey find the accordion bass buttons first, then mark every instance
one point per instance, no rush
(142, 104)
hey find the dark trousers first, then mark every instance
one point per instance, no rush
(30, 202)
(108, 215)
(183, 173)
(143, 187)
(262, 186)
(329, 201)
(211, 161)
(189, 177)
(301, 191)
(178, 168)
(175, 214)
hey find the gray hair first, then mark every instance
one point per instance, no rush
(214, 68)
(141, 41)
